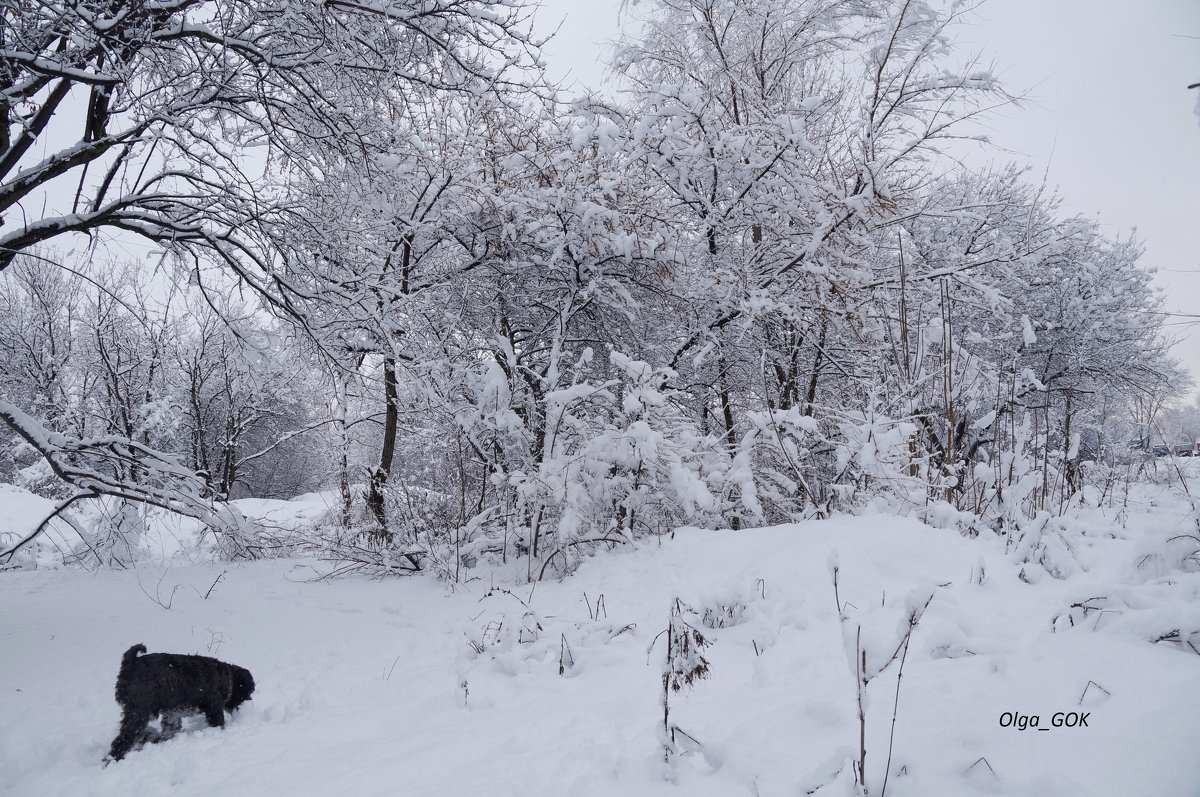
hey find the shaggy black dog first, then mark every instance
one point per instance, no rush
(174, 686)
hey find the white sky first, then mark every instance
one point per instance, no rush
(1109, 118)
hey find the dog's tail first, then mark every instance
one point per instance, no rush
(126, 672)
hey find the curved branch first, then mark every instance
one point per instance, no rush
(61, 507)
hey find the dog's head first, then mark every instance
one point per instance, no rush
(243, 687)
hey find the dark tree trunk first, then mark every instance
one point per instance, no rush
(810, 397)
(379, 477)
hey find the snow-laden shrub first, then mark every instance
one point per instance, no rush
(643, 465)
(1045, 541)
(596, 463)
(798, 467)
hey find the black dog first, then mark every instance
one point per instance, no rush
(174, 686)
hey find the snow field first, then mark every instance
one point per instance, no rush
(409, 686)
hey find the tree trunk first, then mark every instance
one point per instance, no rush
(343, 437)
(379, 477)
(810, 396)
(730, 435)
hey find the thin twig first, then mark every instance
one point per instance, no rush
(214, 584)
(895, 709)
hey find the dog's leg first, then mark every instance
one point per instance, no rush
(172, 723)
(133, 726)
(214, 712)
(149, 736)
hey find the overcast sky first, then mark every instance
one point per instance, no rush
(1110, 117)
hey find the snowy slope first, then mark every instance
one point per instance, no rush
(380, 688)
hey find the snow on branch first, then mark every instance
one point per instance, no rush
(122, 468)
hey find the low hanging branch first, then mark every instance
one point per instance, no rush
(58, 510)
(100, 466)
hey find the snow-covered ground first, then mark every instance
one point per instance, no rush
(417, 687)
